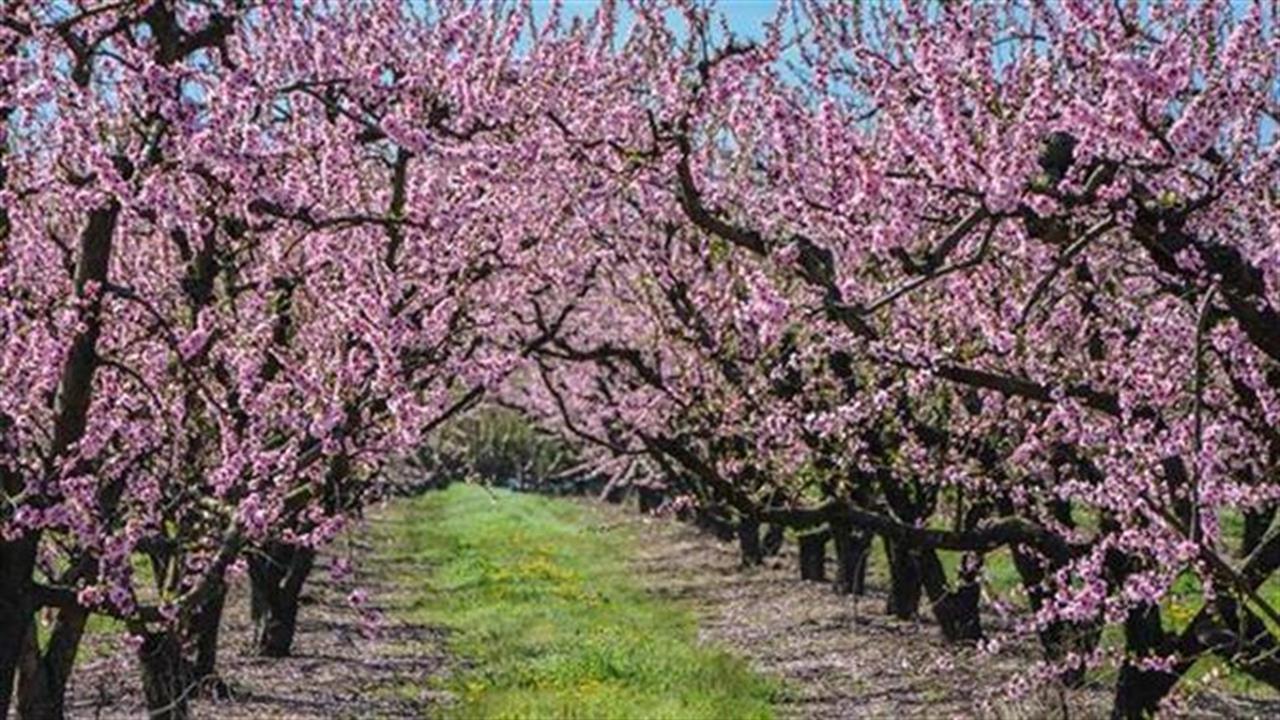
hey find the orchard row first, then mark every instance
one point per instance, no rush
(970, 278)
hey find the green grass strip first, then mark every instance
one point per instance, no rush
(549, 621)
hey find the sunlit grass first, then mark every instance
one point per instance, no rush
(548, 620)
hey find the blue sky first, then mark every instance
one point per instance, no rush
(746, 17)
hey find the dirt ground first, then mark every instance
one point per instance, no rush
(844, 657)
(837, 657)
(336, 672)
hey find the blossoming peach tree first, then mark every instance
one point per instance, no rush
(239, 275)
(1021, 259)
(966, 277)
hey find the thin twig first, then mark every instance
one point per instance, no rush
(1060, 263)
(978, 256)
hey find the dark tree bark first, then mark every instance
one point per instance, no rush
(813, 556)
(276, 576)
(749, 542)
(905, 580)
(1246, 639)
(955, 609)
(205, 629)
(1256, 524)
(615, 494)
(957, 613)
(853, 551)
(166, 682)
(1225, 628)
(1138, 690)
(44, 672)
(17, 556)
(650, 498)
(17, 563)
(911, 503)
(713, 521)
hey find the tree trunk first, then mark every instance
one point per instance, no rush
(1256, 524)
(1139, 691)
(165, 680)
(205, 629)
(276, 576)
(17, 562)
(1058, 639)
(650, 498)
(711, 521)
(956, 610)
(905, 589)
(852, 553)
(71, 409)
(749, 542)
(813, 556)
(44, 672)
(773, 539)
(957, 614)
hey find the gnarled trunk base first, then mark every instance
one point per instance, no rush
(813, 556)
(1139, 691)
(166, 681)
(905, 581)
(712, 521)
(749, 542)
(44, 672)
(957, 613)
(205, 630)
(955, 609)
(276, 577)
(852, 553)
(17, 562)
(650, 498)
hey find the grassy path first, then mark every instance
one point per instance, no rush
(547, 619)
(496, 605)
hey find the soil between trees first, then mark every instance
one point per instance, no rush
(844, 657)
(837, 656)
(337, 670)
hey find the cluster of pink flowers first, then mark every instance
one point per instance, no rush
(1009, 265)
(1009, 270)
